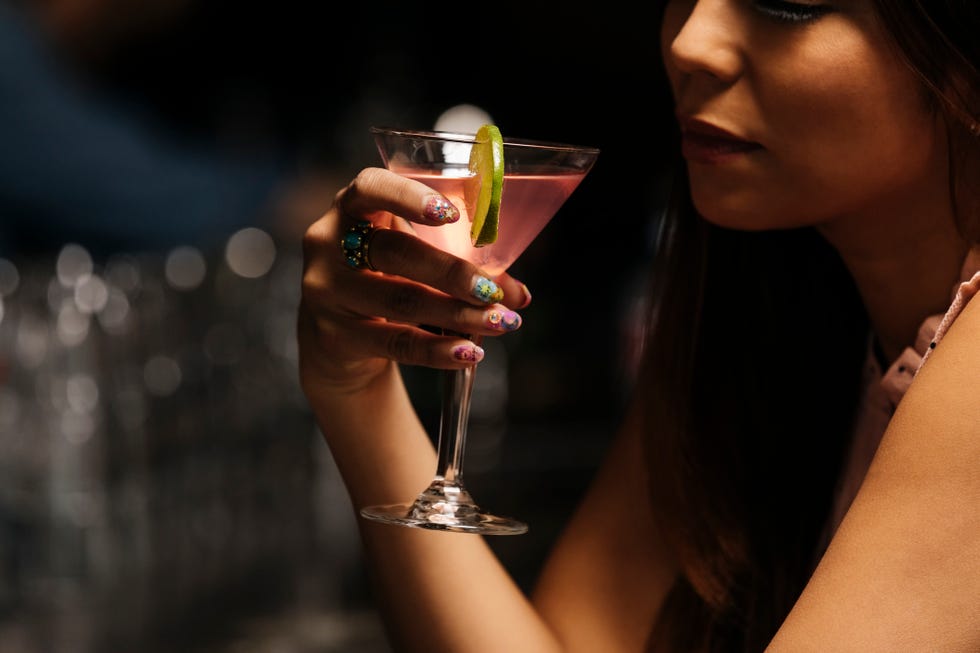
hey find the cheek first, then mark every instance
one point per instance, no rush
(858, 127)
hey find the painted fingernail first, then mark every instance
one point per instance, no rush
(468, 353)
(486, 290)
(439, 209)
(503, 320)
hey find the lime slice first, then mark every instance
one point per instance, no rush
(487, 163)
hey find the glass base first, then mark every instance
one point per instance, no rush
(445, 507)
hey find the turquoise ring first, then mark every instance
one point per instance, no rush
(356, 243)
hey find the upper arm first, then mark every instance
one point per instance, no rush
(903, 570)
(609, 572)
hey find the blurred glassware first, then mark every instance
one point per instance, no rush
(154, 444)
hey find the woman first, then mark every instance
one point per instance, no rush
(826, 214)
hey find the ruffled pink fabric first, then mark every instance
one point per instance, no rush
(883, 392)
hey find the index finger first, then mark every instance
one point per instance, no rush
(379, 189)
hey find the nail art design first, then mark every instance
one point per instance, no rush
(468, 353)
(503, 320)
(439, 209)
(486, 290)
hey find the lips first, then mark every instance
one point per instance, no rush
(704, 142)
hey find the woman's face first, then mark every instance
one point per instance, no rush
(796, 113)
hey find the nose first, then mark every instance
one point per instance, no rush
(701, 37)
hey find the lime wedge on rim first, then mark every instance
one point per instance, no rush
(487, 164)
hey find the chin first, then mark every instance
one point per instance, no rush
(740, 215)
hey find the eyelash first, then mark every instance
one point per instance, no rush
(790, 12)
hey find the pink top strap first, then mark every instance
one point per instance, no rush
(883, 392)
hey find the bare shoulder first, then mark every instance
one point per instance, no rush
(938, 420)
(903, 570)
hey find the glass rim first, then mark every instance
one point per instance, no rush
(459, 137)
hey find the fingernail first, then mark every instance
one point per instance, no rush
(486, 290)
(468, 353)
(527, 296)
(439, 209)
(502, 320)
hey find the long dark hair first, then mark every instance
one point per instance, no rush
(752, 375)
(938, 40)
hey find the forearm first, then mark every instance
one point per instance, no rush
(438, 591)
(376, 440)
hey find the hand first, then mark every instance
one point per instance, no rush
(353, 322)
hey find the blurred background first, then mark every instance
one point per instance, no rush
(163, 487)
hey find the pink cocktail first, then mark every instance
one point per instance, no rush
(538, 178)
(528, 203)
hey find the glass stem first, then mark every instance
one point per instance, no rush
(457, 390)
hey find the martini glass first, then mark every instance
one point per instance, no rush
(538, 178)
